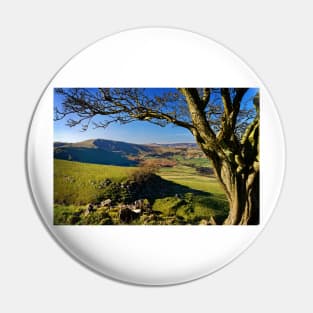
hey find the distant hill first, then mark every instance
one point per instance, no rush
(103, 151)
(98, 151)
(107, 145)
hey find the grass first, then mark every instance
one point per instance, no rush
(189, 177)
(185, 196)
(73, 215)
(195, 162)
(194, 206)
(78, 183)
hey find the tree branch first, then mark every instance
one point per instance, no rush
(205, 97)
(120, 105)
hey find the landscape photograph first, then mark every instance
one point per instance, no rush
(156, 156)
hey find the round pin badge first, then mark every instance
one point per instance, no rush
(155, 156)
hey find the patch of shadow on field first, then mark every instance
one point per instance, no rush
(157, 188)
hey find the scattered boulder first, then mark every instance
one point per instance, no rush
(204, 222)
(108, 181)
(138, 203)
(212, 221)
(106, 203)
(131, 206)
(90, 208)
(142, 204)
(138, 211)
(127, 215)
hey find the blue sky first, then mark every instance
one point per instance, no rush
(135, 132)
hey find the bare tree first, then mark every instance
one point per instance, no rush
(224, 122)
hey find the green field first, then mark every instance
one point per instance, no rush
(77, 183)
(211, 202)
(189, 177)
(178, 195)
(204, 162)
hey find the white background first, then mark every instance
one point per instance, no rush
(275, 273)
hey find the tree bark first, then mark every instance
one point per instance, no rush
(241, 189)
(244, 201)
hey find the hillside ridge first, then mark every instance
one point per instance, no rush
(105, 151)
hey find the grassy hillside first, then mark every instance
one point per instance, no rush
(91, 155)
(107, 145)
(78, 183)
(100, 151)
(177, 196)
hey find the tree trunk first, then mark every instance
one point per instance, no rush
(243, 197)
(236, 163)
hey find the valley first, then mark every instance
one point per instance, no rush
(103, 182)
